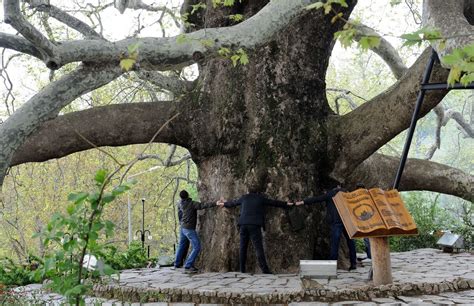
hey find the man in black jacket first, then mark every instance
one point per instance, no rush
(185, 248)
(188, 230)
(251, 221)
(337, 227)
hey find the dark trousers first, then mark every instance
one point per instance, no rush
(337, 229)
(254, 233)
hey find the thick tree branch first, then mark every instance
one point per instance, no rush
(46, 104)
(19, 44)
(113, 125)
(70, 21)
(379, 170)
(173, 84)
(385, 50)
(361, 132)
(448, 17)
(173, 52)
(15, 18)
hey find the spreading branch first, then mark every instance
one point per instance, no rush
(379, 170)
(15, 18)
(385, 50)
(172, 84)
(67, 19)
(370, 126)
(113, 125)
(171, 52)
(46, 104)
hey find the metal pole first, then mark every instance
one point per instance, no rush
(143, 223)
(414, 118)
(129, 207)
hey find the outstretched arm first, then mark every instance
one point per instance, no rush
(233, 203)
(274, 203)
(199, 205)
(317, 199)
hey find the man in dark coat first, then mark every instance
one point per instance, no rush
(188, 231)
(251, 222)
(185, 248)
(337, 227)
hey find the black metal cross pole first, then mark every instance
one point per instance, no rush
(382, 271)
(425, 86)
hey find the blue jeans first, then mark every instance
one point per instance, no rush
(186, 235)
(182, 250)
(336, 230)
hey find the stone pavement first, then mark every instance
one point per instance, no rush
(421, 277)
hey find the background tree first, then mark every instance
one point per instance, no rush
(267, 121)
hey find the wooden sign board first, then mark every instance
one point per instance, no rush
(374, 213)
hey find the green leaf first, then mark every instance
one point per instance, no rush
(454, 75)
(108, 197)
(369, 42)
(316, 5)
(244, 60)
(133, 48)
(100, 176)
(467, 79)
(224, 51)
(120, 189)
(197, 7)
(97, 226)
(235, 58)
(236, 17)
(77, 197)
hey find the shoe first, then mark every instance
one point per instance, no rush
(352, 268)
(175, 267)
(191, 270)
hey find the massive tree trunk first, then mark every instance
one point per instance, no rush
(270, 119)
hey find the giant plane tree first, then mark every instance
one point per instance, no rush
(265, 122)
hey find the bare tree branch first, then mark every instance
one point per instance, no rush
(122, 5)
(15, 18)
(174, 52)
(173, 84)
(374, 123)
(113, 125)
(379, 170)
(19, 44)
(385, 50)
(70, 21)
(46, 104)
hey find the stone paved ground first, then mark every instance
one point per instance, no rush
(421, 277)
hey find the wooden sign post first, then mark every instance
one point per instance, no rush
(376, 214)
(381, 263)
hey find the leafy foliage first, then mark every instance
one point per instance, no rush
(327, 6)
(75, 234)
(239, 56)
(423, 34)
(14, 274)
(461, 60)
(134, 257)
(129, 60)
(429, 218)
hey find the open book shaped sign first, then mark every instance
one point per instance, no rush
(374, 213)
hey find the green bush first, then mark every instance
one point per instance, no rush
(429, 218)
(134, 257)
(14, 274)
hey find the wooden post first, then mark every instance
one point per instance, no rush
(381, 264)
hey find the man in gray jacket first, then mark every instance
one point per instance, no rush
(188, 231)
